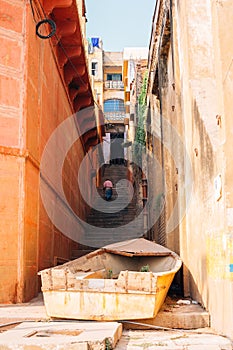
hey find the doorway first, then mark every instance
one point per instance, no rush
(116, 149)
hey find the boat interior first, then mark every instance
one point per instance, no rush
(109, 265)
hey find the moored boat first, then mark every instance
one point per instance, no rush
(123, 281)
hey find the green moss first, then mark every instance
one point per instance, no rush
(140, 136)
(145, 268)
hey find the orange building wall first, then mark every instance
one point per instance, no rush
(12, 158)
(33, 102)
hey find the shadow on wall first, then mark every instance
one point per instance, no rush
(195, 293)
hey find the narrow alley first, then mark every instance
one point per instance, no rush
(116, 178)
(121, 210)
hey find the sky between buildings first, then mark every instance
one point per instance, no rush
(120, 23)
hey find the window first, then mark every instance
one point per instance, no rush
(94, 66)
(114, 77)
(114, 105)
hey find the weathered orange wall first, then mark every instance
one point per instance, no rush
(12, 158)
(33, 102)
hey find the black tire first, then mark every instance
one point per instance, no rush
(52, 25)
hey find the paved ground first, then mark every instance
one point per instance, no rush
(172, 340)
(199, 339)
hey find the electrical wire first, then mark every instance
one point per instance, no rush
(33, 11)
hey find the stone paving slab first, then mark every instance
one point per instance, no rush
(33, 310)
(64, 335)
(172, 340)
(177, 315)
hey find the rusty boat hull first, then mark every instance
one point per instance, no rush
(123, 281)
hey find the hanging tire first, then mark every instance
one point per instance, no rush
(52, 25)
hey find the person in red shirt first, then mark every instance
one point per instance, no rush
(107, 187)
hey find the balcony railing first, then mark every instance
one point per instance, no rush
(114, 84)
(114, 116)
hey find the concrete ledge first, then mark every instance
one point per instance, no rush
(65, 335)
(173, 315)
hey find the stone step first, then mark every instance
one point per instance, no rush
(98, 239)
(111, 205)
(93, 231)
(106, 218)
(107, 209)
(111, 217)
(130, 227)
(108, 223)
(175, 315)
(114, 215)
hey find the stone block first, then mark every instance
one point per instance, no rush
(11, 16)
(10, 91)
(65, 335)
(172, 315)
(9, 130)
(11, 53)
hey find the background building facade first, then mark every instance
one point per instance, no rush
(116, 90)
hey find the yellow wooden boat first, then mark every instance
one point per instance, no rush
(122, 281)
